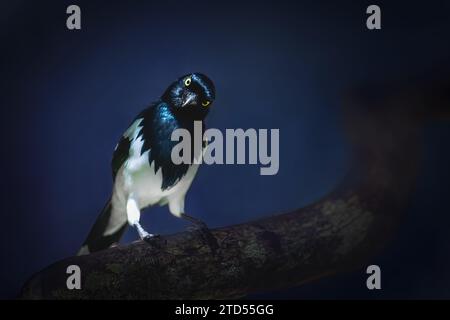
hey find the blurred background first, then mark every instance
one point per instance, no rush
(67, 96)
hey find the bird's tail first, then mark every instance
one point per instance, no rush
(107, 230)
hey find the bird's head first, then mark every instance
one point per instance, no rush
(192, 92)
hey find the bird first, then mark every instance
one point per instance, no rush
(144, 174)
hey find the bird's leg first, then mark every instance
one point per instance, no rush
(133, 217)
(204, 231)
(198, 223)
(176, 207)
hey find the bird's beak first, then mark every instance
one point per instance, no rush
(188, 99)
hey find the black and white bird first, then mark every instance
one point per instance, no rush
(143, 171)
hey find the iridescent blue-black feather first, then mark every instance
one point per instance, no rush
(158, 124)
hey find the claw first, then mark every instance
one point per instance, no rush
(153, 239)
(198, 226)
(150, 237)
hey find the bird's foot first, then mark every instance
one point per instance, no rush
(150, 237)
(198, 225)
(144, 235)
(200, 228)
(114, 244)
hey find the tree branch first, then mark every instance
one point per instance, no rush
(337, 233)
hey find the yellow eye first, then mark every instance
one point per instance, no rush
(187, 82)
(205, 103)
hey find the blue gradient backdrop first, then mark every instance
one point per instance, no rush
(68, 96)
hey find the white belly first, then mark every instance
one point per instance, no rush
(138, 179)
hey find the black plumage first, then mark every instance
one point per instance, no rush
(185, 101)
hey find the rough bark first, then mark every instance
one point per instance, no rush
(339, 232)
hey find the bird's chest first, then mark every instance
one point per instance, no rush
(141, 179)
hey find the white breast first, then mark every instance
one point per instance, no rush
(138, 179)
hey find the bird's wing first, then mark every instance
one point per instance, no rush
(120, 155)
(122, 150)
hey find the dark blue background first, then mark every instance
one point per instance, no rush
(68, 96)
